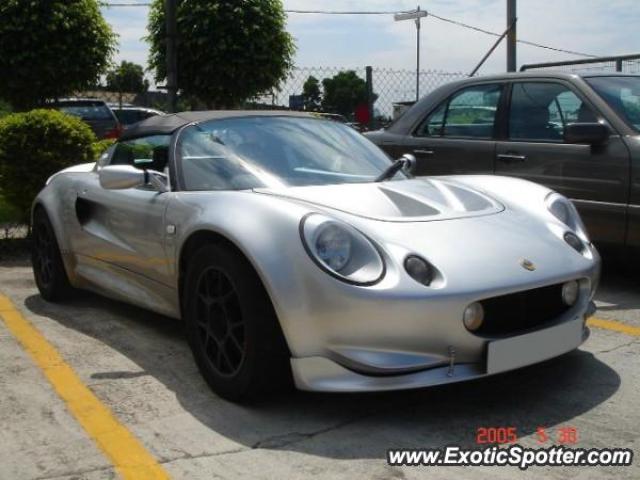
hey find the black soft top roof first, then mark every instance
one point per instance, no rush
(167, 124)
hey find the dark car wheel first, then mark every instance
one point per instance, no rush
(48, 268)
(232, 327)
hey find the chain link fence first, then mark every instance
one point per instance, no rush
(390, 86)
(622, 64)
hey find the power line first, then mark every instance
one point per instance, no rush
(389, 12)
(353, 12)
(319, 12)
(524, 42)
(129, 4)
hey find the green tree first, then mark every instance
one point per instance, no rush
(127, 77)
(228, 50)
(50, 49)
(343, 93)
(312, 95)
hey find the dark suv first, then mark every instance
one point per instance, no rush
(579, 135)
(95, 113)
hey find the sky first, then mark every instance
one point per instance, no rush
(597, 27)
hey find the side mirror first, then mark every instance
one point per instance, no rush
(588, 133)
(120, 177)
(410, 162)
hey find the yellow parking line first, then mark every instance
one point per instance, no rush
(129, 457)
(613, 325)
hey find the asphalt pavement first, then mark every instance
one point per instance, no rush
(137, 366)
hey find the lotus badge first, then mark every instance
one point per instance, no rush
(527, 265)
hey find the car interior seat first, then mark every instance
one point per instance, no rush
(585, 114)
(160, 158)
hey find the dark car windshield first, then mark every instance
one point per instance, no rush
(622, 94)
(129, 116)
(86, 110)
(273, 151)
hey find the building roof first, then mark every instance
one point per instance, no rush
(167, 124)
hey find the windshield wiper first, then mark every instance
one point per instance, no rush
(406, 162)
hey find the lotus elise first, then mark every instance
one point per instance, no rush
(296, 251)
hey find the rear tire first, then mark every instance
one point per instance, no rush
(48, 268)
(232, 327)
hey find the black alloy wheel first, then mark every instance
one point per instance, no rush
(48, 267)
(232, 328)
(221, 327)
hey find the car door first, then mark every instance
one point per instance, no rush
(458, 136)
(126, 228)
(595, 177)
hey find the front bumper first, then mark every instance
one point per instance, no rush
(323, 374)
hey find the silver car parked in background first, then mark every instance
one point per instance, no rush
(294, 249)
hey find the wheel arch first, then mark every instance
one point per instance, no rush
(42, 203)
(199, 239)
(52, 203)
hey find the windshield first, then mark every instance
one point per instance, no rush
(87, 110)
(622, 94)
(276, 151)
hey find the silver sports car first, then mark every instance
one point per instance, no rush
(296, 250)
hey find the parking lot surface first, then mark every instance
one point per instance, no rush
(138, 365)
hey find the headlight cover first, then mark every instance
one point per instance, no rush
(341, 250)
(561, 208)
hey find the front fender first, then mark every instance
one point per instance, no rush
(265, 230)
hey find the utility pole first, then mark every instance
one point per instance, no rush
(172, 55)
(369, 77)
(511, 35)
(416, 15)
(418, 54)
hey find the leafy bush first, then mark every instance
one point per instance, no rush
(5, 108)
(101, 146)
(8, 213)
(33, 146)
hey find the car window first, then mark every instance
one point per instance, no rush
(128, 117)
(87, 110)
(622, 94)
(541, 111)
(433, 124)
(470, 113)
(150, 152)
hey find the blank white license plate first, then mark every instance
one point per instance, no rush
(530, 348)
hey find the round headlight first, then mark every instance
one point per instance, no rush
(341, 250)
(473, 316)
(561, 211)
(570, 292)
(333, 245)
(561, 208)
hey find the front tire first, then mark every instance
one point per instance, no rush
(48, 267)
(232, 327)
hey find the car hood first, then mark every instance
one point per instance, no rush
(415, 200)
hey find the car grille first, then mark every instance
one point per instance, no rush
(522, 311)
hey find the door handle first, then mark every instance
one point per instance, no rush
(511, 157)
(423, 152)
